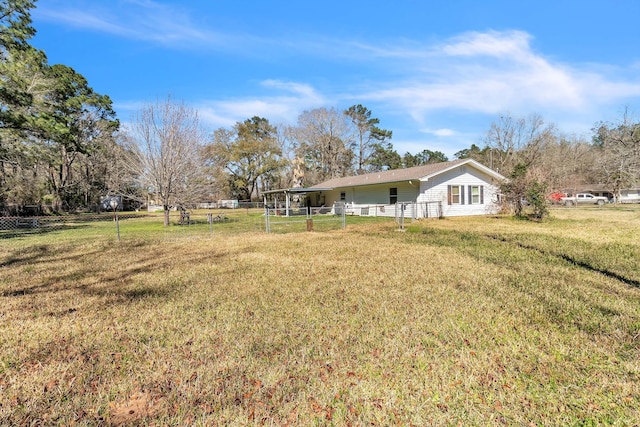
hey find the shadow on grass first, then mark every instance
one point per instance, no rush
(29, 255)
(119, 294)
(470, 241)
(607, 273)
(145, 292)
(114, 273)
(571, 260)
(38, 231)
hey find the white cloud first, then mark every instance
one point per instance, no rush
(305, 93)
(283, 106)
(471, 75)
(494, 72)
(440, 132)
(493, 43)
(139, 20)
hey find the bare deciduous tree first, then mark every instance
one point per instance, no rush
(166, 139)
(618, 157)
(324, 139)
(568, 163)
(513, 141)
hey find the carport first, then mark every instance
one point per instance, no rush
(286, 193)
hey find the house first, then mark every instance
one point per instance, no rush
(630, 195)
(457, 188)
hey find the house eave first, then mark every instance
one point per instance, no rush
(298, 190)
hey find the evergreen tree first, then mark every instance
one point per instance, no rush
(369, 136)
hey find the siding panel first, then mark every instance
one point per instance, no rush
(435, 189)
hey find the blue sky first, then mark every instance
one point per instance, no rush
(436, 73)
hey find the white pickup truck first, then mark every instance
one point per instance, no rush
(584, 199)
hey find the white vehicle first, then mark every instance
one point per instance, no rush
(584, 199)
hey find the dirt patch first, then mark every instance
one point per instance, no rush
(137, 407)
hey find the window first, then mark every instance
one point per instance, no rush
(476, 194)
(393, 196)
(455, 195)
(343, 196)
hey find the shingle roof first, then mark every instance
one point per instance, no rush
(394, 175)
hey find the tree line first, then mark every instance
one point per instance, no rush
(538, 159)
(57, 135)
(62, 146)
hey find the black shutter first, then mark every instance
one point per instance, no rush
(482, 194)
(462, 194)
(448, 194)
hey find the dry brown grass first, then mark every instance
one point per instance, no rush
(461, 321)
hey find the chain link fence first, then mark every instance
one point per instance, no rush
(279, 220)
(182, 224)
(12, 226)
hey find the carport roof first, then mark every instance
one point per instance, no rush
(297, 190)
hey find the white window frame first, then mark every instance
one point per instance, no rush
(476, 194)
(455, 198)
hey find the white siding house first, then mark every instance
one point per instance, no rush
(630, 195)
(456, 188)
(464, 189)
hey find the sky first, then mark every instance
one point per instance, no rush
(435, 73)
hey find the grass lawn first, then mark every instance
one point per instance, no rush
(461, 321)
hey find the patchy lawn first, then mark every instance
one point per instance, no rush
(469, 321)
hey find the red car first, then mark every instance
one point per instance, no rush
(556, 196)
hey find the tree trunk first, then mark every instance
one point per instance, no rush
(166, 215)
